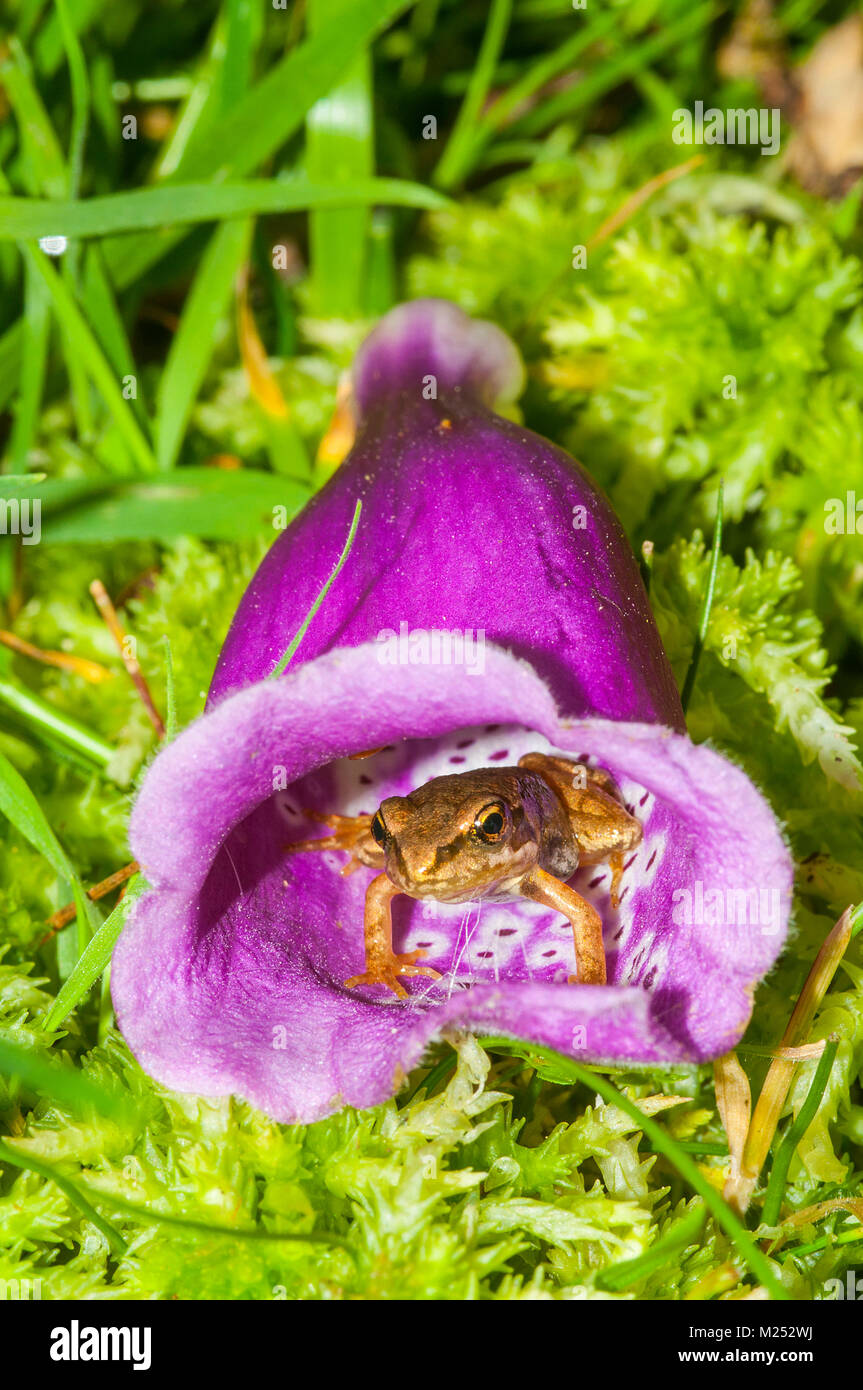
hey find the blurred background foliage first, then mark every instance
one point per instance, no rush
(243, 188)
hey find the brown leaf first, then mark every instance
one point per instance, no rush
(826, 150)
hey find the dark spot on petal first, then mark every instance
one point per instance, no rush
(507, 931)
(492, 728)
(366, 781)
(644, 798)
(499, 756)
(651, 859)
(647, 982)
(456, 759)
(595, 881)
(466, 743)
(484, 955)
(549, 953)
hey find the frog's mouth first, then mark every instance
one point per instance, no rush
(229, 974)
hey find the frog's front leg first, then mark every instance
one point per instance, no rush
(383, 965)
(351, 834)
(586, 923)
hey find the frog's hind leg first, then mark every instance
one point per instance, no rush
(585, 921)
(383, 965)
(351, 834)
(569, 772)
(603, 827)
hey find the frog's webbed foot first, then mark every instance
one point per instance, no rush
(383, 965)
(351, 835)
(386, 970)
(584, 919)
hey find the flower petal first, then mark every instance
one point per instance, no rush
(470, 522)
(228, 977)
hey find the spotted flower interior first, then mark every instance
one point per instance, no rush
(474, 942)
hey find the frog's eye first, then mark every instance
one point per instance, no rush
(491, 823)
(378, 829)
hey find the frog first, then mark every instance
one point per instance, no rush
(487, 835)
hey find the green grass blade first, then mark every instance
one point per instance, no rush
(68, 1188)
(56, 729)
(219, 82)
(243, 29)
(175, 204)
(100, 304)
(706, 607)
(20, 806)
(339, 147)
(94, 960)
(623, 64)
(348, 546)
(190, 352)
(18, 803)
(45, 165)
(65, 1084)
(802, 1120)
(34, 360)
(276, 106)
(82, 342)
(80, 83)
(456, 157)
(213, 503)
(148, 1217)
(666, 1251)
(11, 348)
(558, 60)
(170, 693)
(201, 103)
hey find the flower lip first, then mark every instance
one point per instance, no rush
(220, 955)
(429, 340)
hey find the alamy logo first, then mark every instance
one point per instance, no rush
(435, 647)
(21, 516)
(737, 127)
(20, 1290)
(843, 516)
(851, 1289)
(76, 1343)
(727, 907)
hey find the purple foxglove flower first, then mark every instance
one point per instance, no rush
(491, 607)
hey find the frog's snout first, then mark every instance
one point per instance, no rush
(408, 855)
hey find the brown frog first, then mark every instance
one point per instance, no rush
(492, 835)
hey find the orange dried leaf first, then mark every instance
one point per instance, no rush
(262, 383)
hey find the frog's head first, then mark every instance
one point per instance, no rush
(459, 836)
